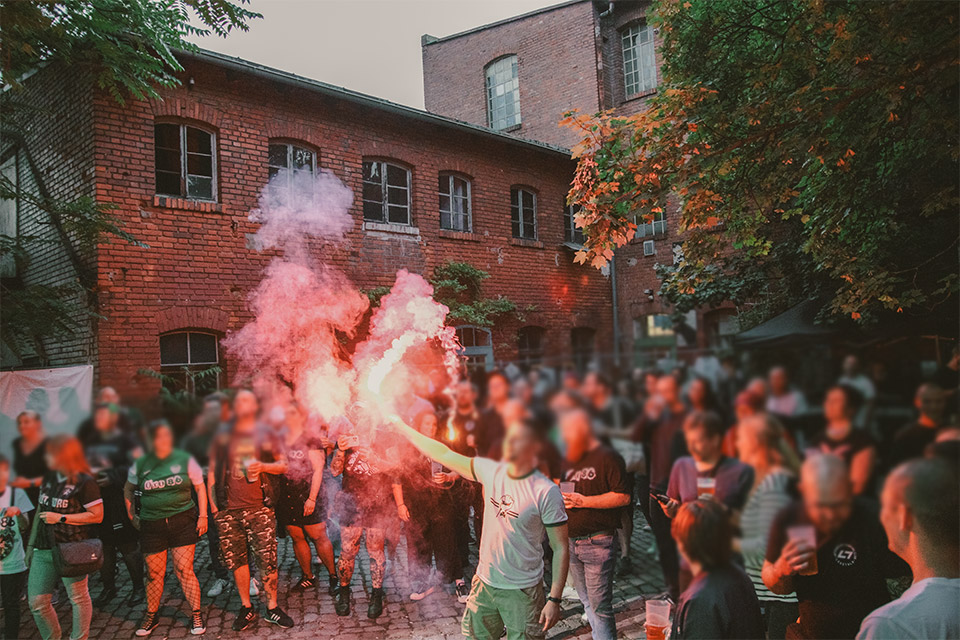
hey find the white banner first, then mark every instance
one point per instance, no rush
(61, 396)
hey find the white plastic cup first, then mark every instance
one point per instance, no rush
(658, 619)
(807, 535)
(568, 487)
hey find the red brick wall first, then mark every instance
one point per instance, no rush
(198, 269)
(557, 70)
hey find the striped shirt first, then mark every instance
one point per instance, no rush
(763, 504)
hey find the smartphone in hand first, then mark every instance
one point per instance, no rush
(662, 498)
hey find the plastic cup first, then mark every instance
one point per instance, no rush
(658, 619)
(706, 487)
(568, 487)
(251, 477)
(806, 535)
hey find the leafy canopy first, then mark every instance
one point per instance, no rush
(810, 147)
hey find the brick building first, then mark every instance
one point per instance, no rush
(184, 173)
(520, 76)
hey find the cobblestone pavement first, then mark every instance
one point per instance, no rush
(436, 617)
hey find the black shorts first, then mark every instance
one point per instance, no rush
(362, 511)
(290, 511)
(167, 533)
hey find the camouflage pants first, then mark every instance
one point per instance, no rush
(253, 528)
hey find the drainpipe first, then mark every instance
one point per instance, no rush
(608, 11)
(616, 314)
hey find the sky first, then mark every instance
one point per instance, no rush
(371, 46)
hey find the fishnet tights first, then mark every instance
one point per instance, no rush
(182, 566)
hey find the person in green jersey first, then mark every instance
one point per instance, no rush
(159, 498)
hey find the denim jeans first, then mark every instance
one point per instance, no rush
(592, 562)
(41, 583)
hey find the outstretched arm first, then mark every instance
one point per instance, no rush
(434, 450)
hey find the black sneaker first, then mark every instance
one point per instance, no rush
(334, 585)
(150, 622)
(375, 608)
(136, 598)
(304, 584)
(196, 623)
(463, 592)
(342, 606)
(245, 619)
(106, 597)
(279, 618)
(625, 567)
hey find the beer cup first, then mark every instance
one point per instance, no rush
(658, 619)
(806, 535)
(568, 487)
(706, 487)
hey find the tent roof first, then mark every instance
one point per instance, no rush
(794, 327)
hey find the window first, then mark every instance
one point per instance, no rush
(530, 345)
(639, 63)
(582, 341)
(656, 227)
(454, 203)
(476, 347)
(503, 94)
(656, 326)
(291, 160)
(571, 232)
(9, 208)
(190, 360)
(386, 192)
(523, 213)
(185, 161)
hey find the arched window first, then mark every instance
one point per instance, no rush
(455, 202)
(186, 161)
(639, 60)
(190, 360)
(503, 93)
(530, 345)
(386, 192)
(523, 213)
(290, 159)
(476, 347)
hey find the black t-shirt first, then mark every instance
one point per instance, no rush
(852, 567)
(600, 471)
(59, 495)
(363, 477)
(720, 603)
(911, 441)
(855, 442)
(666, 445)
(489, 430)
(295, 482)
(464, 424)
(30, 465)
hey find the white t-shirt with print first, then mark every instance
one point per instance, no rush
(12, 557)
(515, 516)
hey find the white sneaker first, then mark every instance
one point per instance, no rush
(569, 593)
(254, 588)
(217, 587)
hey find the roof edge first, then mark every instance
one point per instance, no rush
(343, 93)
(426, 39)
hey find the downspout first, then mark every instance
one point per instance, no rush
(616, 312)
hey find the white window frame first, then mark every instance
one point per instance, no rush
(484, 351)
(467, 217)
(656, 227)
(184, 176)
(495, 89)
(385, 194)
(639, 60)
(518, 208)
(571, 232)
(288, 170)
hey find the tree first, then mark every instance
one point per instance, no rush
(810, 148)
(127, 48)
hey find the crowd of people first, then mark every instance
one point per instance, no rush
(763, 527)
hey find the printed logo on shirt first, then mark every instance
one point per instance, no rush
(503, 507)
(172, 481)
(587, 473)
(295, 455)
(8, 537)
(175, 468)
(845, 555)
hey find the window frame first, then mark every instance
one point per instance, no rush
(656, 227)
(518, 208)
(384, 191)
(290, 146)
(475, 350)
(525, 354)
(634, 47)
(490, 91)
(11, 160)
(184, 157)
(175, 370)
(572, 234)
(451, 176)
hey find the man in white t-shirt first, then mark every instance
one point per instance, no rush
(521, 506)
(920, 502)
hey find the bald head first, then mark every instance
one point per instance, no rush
(108, 395)
(920, 503)
(826, 491)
